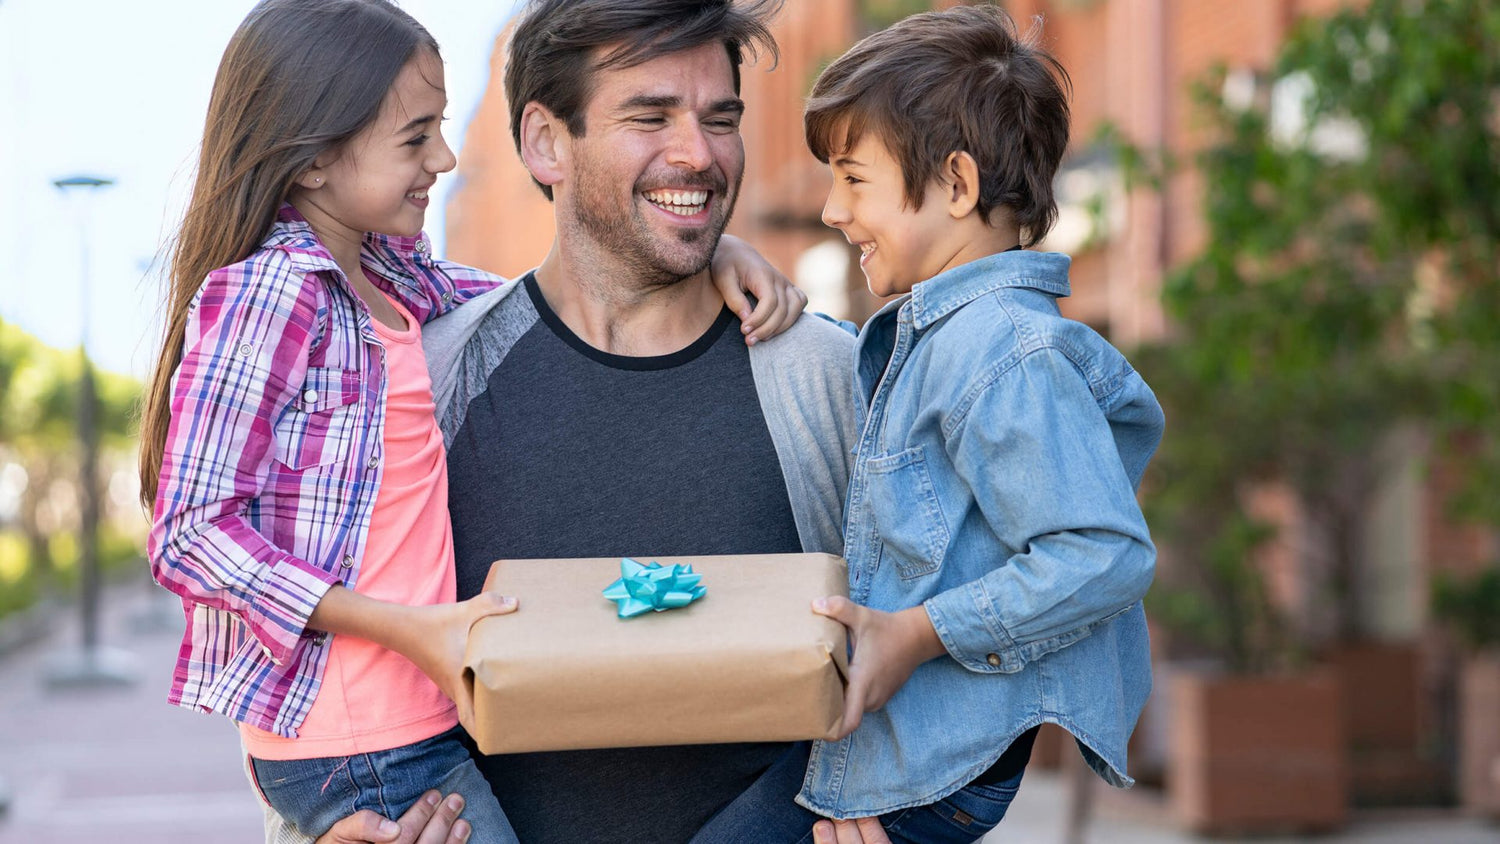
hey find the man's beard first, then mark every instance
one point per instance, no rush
(625, 236)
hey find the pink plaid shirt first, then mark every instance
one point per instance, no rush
(273, 460)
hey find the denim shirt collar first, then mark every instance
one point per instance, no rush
(950, 290)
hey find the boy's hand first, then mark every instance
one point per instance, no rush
(436, 637)
(738, 269)
(887, 648)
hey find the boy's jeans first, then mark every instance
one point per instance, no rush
(314, 794)
(766, 813)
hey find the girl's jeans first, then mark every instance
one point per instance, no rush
(766, 814)
(314, 794)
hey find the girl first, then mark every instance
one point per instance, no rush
(290, 453)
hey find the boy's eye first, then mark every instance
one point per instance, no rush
(419, 140)
(852, 180)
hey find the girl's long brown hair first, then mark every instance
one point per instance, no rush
(299, 78)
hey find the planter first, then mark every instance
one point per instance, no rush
(1479, 735)
(1255, 755)
(1391, 762)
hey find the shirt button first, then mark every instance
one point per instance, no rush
(447, 297)
(319, 639)
(372, 463)
(421, 246)
(348, 562)
(311, 396)
(246, 350)
(993, 660)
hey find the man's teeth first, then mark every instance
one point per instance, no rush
(684, 202)
(418, 194)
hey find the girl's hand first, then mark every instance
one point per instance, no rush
(435, 638)
(738, 269)
(887, 648)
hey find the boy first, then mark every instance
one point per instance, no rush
(997, 555)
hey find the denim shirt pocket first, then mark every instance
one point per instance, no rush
(908, 518)
(320, 427)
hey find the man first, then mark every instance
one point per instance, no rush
(605, 405)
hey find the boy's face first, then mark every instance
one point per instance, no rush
(899, 246)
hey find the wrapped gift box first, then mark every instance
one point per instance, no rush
(749, 661)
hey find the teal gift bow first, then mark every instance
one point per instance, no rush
(653, 587)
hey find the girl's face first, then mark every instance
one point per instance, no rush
(378, 182)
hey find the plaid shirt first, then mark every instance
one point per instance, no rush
(273, 459)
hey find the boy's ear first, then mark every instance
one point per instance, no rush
(544, 144)
(961, 180)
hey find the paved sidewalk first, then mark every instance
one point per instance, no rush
(117, 764)
(120, 765)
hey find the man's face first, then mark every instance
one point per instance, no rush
(654, 178)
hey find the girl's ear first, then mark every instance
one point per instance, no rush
(960, 175)
(315, 176)
(544, 144)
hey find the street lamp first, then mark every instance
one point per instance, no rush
(92, 665)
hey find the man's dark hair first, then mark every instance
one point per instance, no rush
(959, 80)
(552, 55)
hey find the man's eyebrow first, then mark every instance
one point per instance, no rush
(650, 101)
(733, 105)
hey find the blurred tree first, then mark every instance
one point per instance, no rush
(38, 417)
(1348, 287)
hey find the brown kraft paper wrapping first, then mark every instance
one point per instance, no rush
(749, 661)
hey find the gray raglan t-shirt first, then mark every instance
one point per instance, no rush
(568, 451)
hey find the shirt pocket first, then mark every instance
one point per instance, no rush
(908, 518)
(320, 427)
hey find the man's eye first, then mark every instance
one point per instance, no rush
(649, 121)
(852, 180)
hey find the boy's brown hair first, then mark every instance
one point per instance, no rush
(959, 80)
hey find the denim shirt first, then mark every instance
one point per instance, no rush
(994, 483)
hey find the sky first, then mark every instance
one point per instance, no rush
(119, 90)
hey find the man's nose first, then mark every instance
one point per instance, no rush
(689, 147)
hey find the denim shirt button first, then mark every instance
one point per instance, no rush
(993, 660)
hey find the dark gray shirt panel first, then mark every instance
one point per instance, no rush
(571, 452)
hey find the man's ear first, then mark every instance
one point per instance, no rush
(960, 176)
(545, 144)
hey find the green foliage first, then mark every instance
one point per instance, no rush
(1348, 287)
(39, 404)
(878, 14)
(1471, 606)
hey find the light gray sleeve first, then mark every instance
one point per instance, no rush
(465, 346)
(805, 379)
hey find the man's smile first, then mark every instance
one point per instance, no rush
(683, 203)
